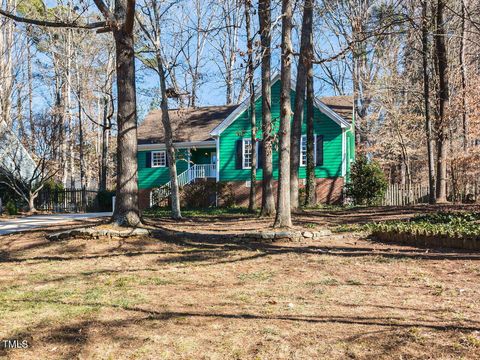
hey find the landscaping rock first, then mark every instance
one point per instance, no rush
(284, 235)
(98, 233)
(321, 233)
(268, 235)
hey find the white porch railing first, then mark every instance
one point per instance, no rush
(197, 171)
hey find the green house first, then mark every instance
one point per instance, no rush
(214, 143)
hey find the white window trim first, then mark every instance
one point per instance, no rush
(243, 152)
(314, 150)
(158, 152)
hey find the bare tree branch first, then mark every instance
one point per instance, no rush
(54, 24)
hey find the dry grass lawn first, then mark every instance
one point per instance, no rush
(194, 297)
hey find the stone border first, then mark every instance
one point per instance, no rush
(430, 241)
(247, 236)
(98, 233)
(283, 235)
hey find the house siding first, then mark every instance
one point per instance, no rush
(240, 128)
(155, 177)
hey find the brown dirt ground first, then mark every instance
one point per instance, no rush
(330, 218)
(204, 297)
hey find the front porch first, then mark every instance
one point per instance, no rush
(201, 164)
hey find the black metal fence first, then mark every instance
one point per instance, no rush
(66, 201)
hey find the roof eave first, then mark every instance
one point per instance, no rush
(331, 114)
(178, 145)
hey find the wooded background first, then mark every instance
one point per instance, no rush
(412, 67)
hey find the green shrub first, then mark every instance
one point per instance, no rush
(438, 224)
(226, 194)
(199, 194)
(159, 212)
(6, 194)
(103, 200)
(367, 182)
(203, 194)
(11, 208)
(51, 185)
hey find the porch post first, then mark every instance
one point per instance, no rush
(188, 163)
(217, 161)
(217, 165)
(344, 152)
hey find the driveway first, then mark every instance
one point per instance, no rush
(40, 221)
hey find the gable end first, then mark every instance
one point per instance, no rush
(246, 103)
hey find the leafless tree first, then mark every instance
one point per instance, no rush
(152, 31)
(253, 119)
(23, 173)
(304, 64)
(264, 13)
(283, 217)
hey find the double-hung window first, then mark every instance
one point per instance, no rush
(247, 153)
(159, 159)
(303, 150)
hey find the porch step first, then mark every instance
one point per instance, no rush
(197, 171)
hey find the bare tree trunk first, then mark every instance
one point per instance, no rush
(59, 153)
(167, 126)
(103, 167)
(31, 202)
(463, 73)
(310, 198)
(229, 84)
(68, 105)
(303, 65)
(441, 57)
(63, 124)
(154, 35)
(253, 120)
(30, 95)
(426, 99)
(126, 207)
(200, 34)
(81, 137)
(283, 217)
(6, 64)
(268, 202)
(106, 125)
(81, 140)
(122, 20)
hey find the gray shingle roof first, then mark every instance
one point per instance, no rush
(195, 124)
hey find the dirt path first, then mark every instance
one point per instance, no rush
(188, 298)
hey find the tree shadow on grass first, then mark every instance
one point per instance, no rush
(390, 321)
(217, 249)
(226, 242)
(75, 337)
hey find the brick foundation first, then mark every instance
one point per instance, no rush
(144, 198)
(328, 191)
